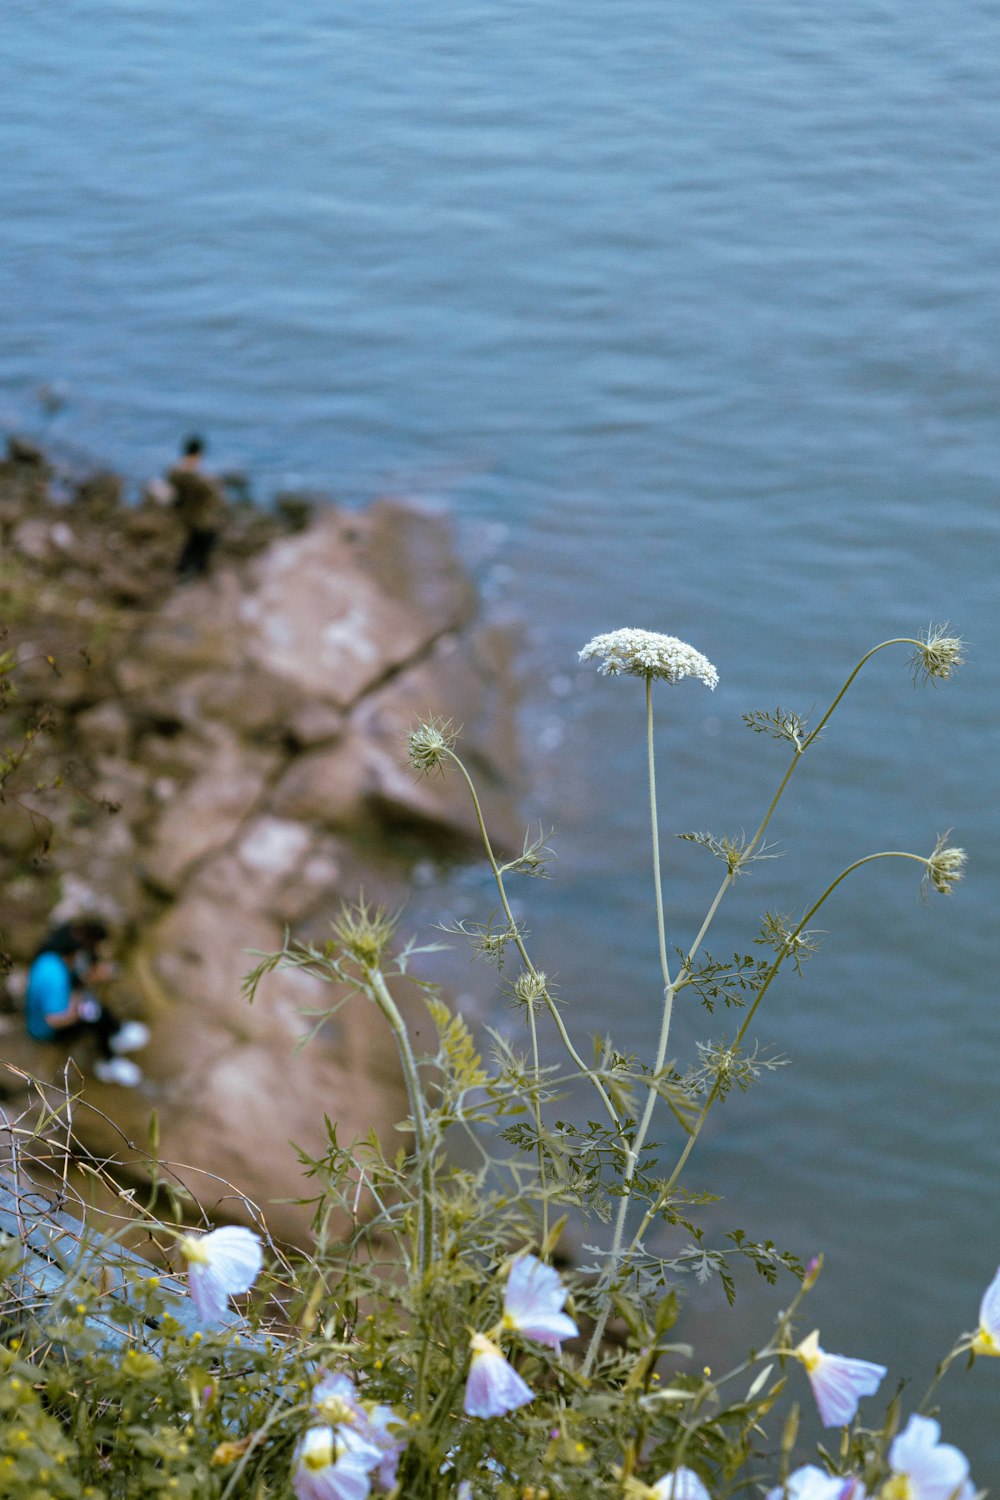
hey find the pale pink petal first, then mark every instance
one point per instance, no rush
(236, 1255)
(936, 1471)
(533, 1301)
(989, 1308)
(681, 1484)
(222, 1264)
(494, 1387)
(326, 1469)
(839, 1383)
(810, 1483)
(208, 1293)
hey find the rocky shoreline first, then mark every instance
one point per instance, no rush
(232, 764)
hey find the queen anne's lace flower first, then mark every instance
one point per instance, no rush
(924, 1468)
(838, 1382)
(533, 1301)
(494, 1387)
(646, 653)
(333, 1465)
(221, 1264)
(680, 1484)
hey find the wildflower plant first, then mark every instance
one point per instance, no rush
(445, 1347)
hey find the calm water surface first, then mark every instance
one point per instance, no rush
(690, 315)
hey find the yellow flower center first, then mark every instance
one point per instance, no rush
(809, 1352)
(318, 1455)
(193, 1250)
(985, 1343)
(335, 1410)
(898, 1488)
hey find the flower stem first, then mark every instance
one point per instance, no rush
(564, 1035)
(418, 1112)
(639, 1140)
(797, 754)
(671, 987)
(670, 1184)
(654, 825)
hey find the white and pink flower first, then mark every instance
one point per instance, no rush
(221, 1264)
(838, 1382)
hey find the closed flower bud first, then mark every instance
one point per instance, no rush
(529, 988)
(945, 866)
(364, 932)
(428, 744)
(937, 654)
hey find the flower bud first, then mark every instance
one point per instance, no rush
(429, 743)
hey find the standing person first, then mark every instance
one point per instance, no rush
(59, 1006)
(198, 502)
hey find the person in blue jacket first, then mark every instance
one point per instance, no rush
(59, 1007)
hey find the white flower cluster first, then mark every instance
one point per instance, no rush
(646, 653)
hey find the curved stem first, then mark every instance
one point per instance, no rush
(564, 1035)
(899, 640)
(799, 751)
(536, 1110)
(672, 987)
(962, 1347)
(277, 1413)
(389, 1008)
(696, 1129)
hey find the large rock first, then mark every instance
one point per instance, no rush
(209, 812)
(338, 607)
(239, 1087)
(250, 729)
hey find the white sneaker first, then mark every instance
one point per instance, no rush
(131, 1036)
(118, 1070)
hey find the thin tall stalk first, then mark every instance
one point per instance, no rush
(553, 1009)
(418, 1113)
(671, 986)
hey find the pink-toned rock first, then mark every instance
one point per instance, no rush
(327, 787)
(197, 629)
(207, 813)
(252, 727)
(472, 676)
(344, 603)
(233, 1083)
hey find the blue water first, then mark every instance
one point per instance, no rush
(690, 316)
